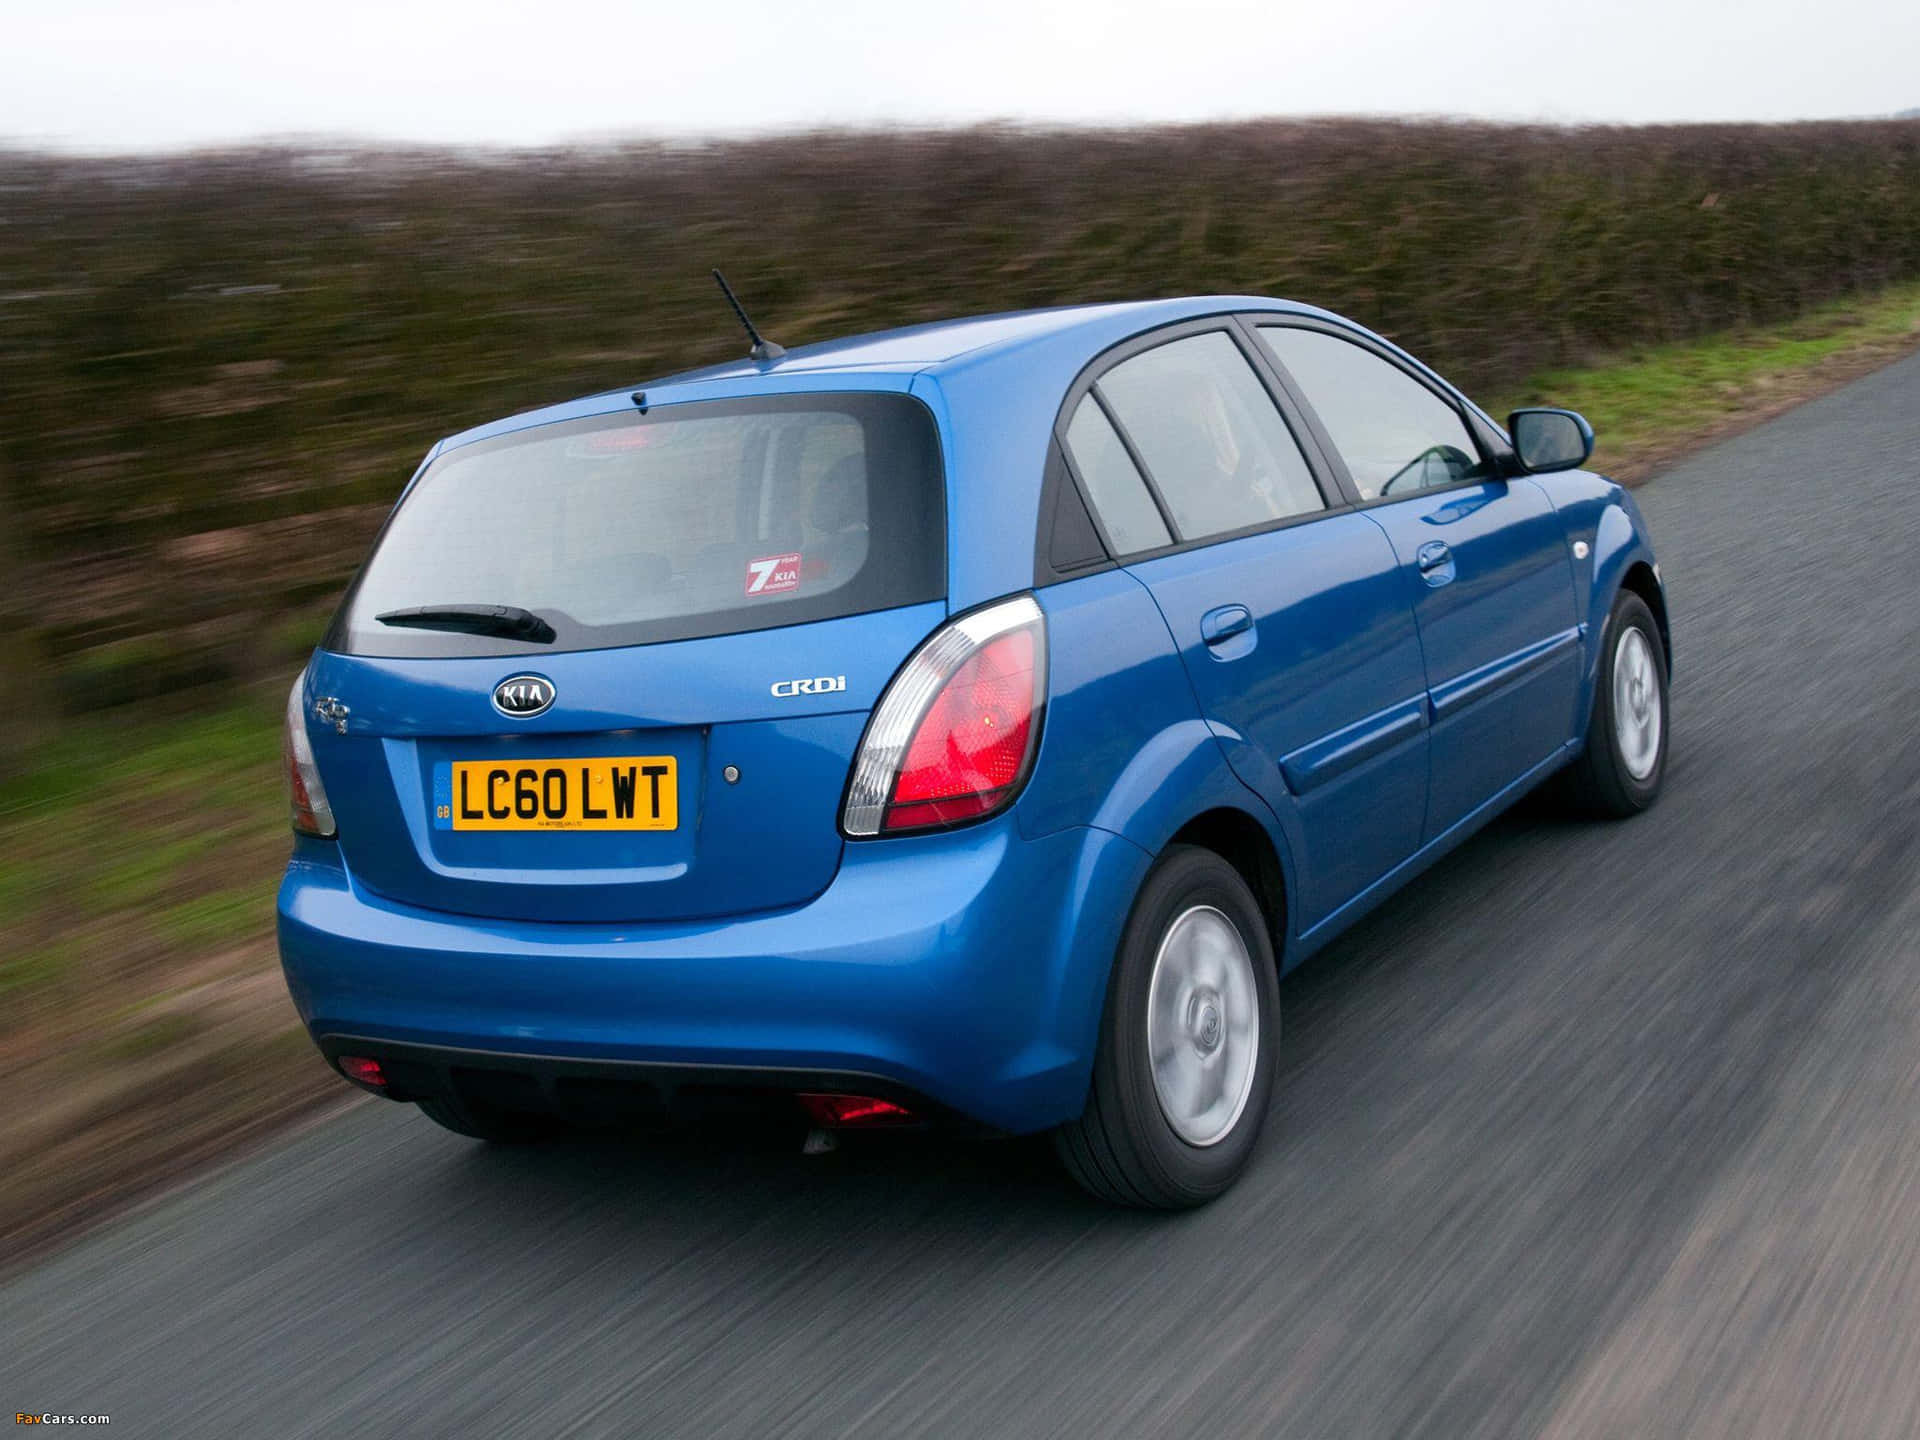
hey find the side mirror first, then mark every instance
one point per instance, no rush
(1548, 440)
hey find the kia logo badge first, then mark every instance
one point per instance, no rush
(522, 696)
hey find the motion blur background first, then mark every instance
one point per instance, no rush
(255, 260)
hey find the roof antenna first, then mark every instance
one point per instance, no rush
(763, 349)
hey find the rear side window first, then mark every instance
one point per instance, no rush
(1210, 436)
(700, 519)
(1113, 481)
(1395, 434)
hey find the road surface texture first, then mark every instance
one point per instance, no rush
(1597, 1130)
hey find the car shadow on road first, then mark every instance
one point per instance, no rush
(686, 1182)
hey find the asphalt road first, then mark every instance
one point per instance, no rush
(1597, 1130)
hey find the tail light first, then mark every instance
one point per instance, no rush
(953, 738)
(306, 796)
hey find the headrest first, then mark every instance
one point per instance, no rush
(840, 497)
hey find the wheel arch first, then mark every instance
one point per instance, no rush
(1640, 579)
(1244, 843)
(1622, 563)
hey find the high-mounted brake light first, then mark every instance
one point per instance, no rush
(953, 738)
(306, 796)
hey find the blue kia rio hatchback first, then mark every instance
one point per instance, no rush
(967, 723)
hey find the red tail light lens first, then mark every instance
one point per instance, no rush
(306, 796)
(954, 736)
(971, 746)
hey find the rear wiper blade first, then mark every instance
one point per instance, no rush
(508, 621)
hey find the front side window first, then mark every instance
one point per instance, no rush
(1396, 435)
(1210, 436)
(692, 520)
(1113, 481)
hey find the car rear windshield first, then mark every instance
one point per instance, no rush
(697, 519)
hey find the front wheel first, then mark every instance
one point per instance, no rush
(1185, 1065)
(1619, 772)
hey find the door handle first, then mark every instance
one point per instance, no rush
(1220, 625)
(1434, 560)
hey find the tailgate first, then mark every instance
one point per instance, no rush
(443, 801)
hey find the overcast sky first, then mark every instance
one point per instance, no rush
(163, 74)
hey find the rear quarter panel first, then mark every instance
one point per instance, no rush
(1124, 747)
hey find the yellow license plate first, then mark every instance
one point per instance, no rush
(626, 792)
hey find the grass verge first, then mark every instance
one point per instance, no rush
(144, 1027)
(1651, 406)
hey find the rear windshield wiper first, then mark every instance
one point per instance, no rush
(508, 621)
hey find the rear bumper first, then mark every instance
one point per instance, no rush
(967, 968)
(623, 1093)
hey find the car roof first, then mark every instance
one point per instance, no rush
(911, 350)
(993, 382)
(921, 347)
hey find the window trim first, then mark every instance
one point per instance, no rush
(1125, 437)
(1057, 473)
(1333, 496)
(1254, 321)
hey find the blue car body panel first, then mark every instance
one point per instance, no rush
(1497, 627)
(768, 840)
(1601, 514)
(1317, 702)
(1365, 709)
(904, 968)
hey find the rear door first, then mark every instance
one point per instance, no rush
(1289, 615)
(1484, 560)
(617, 668)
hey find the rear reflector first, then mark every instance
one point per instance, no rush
(363, 1071)
(953, 738)
(848, 1112)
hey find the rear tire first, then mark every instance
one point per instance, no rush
(1625, 760)
(1184, 1070)
(484, 1122)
